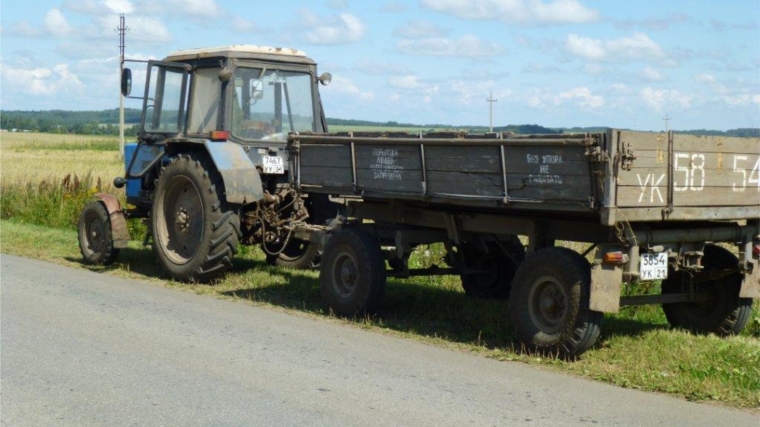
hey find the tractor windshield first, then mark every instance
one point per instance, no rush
(269, 103)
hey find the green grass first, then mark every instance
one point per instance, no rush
(637, 349)
(51, 202)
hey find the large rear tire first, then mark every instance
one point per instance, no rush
(195, 232)
(95, 236)
(352, 275)
(550, 303)
(717, 308)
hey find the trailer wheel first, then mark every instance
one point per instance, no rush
(352, 273)
(95, 237)
(499, 270)
(195, 232)
(717, 308)
(550, 302)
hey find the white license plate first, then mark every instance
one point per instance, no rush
(654, 266)
(273, 164)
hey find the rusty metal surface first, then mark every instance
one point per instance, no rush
(119, 230)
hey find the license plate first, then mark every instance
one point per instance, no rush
(273, 164)
(653, 266)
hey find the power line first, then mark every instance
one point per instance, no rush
(667, 118)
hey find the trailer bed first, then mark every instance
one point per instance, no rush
(613, 176)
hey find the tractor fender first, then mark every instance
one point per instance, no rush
(119, 230)
(242, 183)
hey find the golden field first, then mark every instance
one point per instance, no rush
(33, 157)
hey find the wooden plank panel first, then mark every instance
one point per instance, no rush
(388, 157)
(326, 156)
(712, 178)
(466, 183)
(690, 143)
(717, 161)
(708, 196)
(326, 176)
(391, 181)
(463, 159)
(570, 189)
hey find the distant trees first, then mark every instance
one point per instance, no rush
(105, 122)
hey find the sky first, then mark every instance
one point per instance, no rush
(556, 63)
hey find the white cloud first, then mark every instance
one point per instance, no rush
(344, 85)
(142, 29)
(593, 69)
(125, 6)
(582, 96)
(660, 99)
(43, 82)
(744, 99)
(196, 8)
(406, 82)
(466, 46)
(56, 24)
(419, 29)
(26, 30)
(338, 29)
(524, 12)
(637, 47)
(651, 74)
(704, 78)
(413, 85)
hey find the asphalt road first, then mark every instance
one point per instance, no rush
(86, 349)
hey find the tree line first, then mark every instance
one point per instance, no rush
(105, 122)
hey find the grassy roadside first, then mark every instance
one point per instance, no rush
(636, 350)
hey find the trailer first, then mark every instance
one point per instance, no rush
(651, 207)
(233, 149)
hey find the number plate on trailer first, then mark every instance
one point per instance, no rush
(273, 164)
(653, 266)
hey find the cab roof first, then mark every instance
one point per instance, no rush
(241, 51)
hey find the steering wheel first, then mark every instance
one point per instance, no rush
(254, 129)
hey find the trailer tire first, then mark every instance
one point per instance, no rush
(352, 275)
(718, 308)
(501, 268)
(95, 236)
(195, 231)
(550, 303)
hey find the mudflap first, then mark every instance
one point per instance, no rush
(751, 283)
(242, 183)
(119, 230)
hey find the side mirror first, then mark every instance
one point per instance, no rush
(257, 89)
(126, 82)
(325, 79)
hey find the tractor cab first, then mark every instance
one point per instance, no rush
(250, 96)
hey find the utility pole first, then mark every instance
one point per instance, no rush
(667, 119)
(490, 101)
(122, 30)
